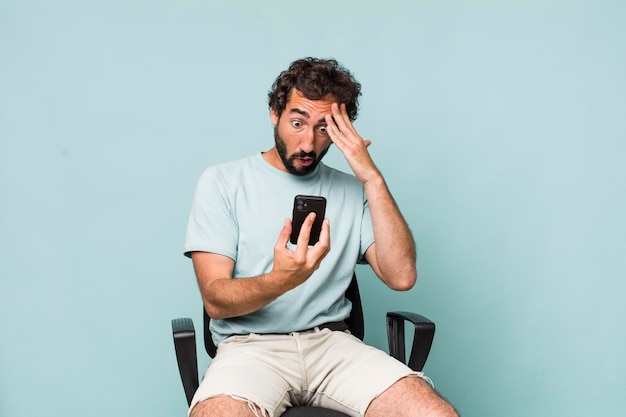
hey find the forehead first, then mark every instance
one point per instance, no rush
(297, 101)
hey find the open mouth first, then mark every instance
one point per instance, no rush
(305, 161)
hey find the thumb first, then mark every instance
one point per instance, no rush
(285, 234)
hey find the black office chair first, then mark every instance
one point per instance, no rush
(185, 345)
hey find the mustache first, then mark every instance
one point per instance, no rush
(303, 154)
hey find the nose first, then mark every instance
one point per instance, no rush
(308, 140)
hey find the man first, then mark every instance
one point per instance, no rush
(269, 300)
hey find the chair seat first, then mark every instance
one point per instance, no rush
(312, 412)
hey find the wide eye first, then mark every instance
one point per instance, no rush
(323, 130)
(296, 123)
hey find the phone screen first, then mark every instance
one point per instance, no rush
(302, 206)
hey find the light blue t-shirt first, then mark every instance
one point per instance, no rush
(239, 210)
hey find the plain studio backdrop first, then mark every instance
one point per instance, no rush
(499, 127)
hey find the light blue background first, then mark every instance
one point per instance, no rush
(499, 125)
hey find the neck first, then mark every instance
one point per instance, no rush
(272, 158)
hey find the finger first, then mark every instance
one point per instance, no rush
(348, 144)
(334, 133)
(285, 234)
(305, 233)
(324, 242)
(340, 128)
(342, 120)
(333, 118)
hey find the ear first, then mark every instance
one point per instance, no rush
(274, 117)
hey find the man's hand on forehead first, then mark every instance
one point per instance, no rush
(350, 143)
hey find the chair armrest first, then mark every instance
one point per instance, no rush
(422, 339)
(186, 355)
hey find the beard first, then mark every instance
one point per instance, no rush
(289, 160)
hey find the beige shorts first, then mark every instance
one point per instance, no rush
(316, 367)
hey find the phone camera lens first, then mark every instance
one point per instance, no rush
(301, 205)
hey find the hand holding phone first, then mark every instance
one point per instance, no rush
(303, 205)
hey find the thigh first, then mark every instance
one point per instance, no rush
(258, 371)
(347, 374)
(410, 397)
(224, 407)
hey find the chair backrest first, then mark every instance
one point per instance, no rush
(354, 321)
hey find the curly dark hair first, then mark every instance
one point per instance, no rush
(316, 79)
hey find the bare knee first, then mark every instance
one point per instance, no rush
(410, 397)
(223, 407)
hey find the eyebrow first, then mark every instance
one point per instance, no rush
(305, 114)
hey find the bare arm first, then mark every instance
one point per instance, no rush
(225, 297)
(392, 256)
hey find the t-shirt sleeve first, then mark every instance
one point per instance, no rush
(212, 226)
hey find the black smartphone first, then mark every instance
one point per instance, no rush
(302, 206)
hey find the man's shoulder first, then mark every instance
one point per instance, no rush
(227, 175)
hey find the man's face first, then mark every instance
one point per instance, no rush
(300, 133)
